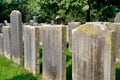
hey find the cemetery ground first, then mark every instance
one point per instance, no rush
(12, 71)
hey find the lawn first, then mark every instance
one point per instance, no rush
(12, 71)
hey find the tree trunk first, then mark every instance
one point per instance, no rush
(88, 13)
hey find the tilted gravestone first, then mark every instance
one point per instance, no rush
(72, 25)
(54, 55)
(94, 53)
(7, 41)
(1, 44)
(117, 18)
(16, 36)
(31, 49)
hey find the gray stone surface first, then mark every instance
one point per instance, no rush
(1, 25)
(116, 26)
(72, 25)
(41, 35)
(35, 19)
(94, 53)
(1, 44)
(54, 55)
(16, 36)
(7, 41)
(6, 23)
(31, 49)
(32, 22)
(117, 18)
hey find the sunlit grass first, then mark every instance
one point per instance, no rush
(12, 71)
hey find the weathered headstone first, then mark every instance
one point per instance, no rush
(94, 53)
(41, 35)
(35, 19)
(32, 22)
(117, 18)
(16, 36)
(1, 44)
(5, 23)
(1, 26)
(72, 25)
(31, 49)
(115, 26)
(7, 41)
(54, 55)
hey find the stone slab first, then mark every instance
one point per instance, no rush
(54, 55)
(7, 41)
(31, 49)
(16, 36)
(94, 52)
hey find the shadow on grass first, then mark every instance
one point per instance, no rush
(28, 76)
(68, 63)
(117, 71)
(40, 49)
(69, 68)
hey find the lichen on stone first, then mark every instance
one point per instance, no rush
(91, 29)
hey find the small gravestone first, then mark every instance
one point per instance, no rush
(35, 19)
(94, 52)
(1, 26)
(16, 36)
(54, 55)
(31, 49)
(72, 25)
(117, 18)
(32, 22)
(7, 41)
(5, 23)
(1, 44)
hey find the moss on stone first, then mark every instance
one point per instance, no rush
(91, 29)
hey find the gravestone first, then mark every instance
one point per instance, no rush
(6, 23)
(116, 26)
(117, 18)
(54, 55)
(1, 44)
(31, 49)
(72, 25)
(32, 22)
(94, 53)
(7, 41)
(16, 36)
(1, 26)
(35, 19)
(41, 35)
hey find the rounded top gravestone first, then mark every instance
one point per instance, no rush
(117, 18)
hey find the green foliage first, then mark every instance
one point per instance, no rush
(104, 10)
(47, 10)
(70, 10)
(6, 6)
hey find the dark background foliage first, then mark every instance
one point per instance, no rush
(70, 10)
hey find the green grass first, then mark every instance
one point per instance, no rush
(117, 71)
(12, 71)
